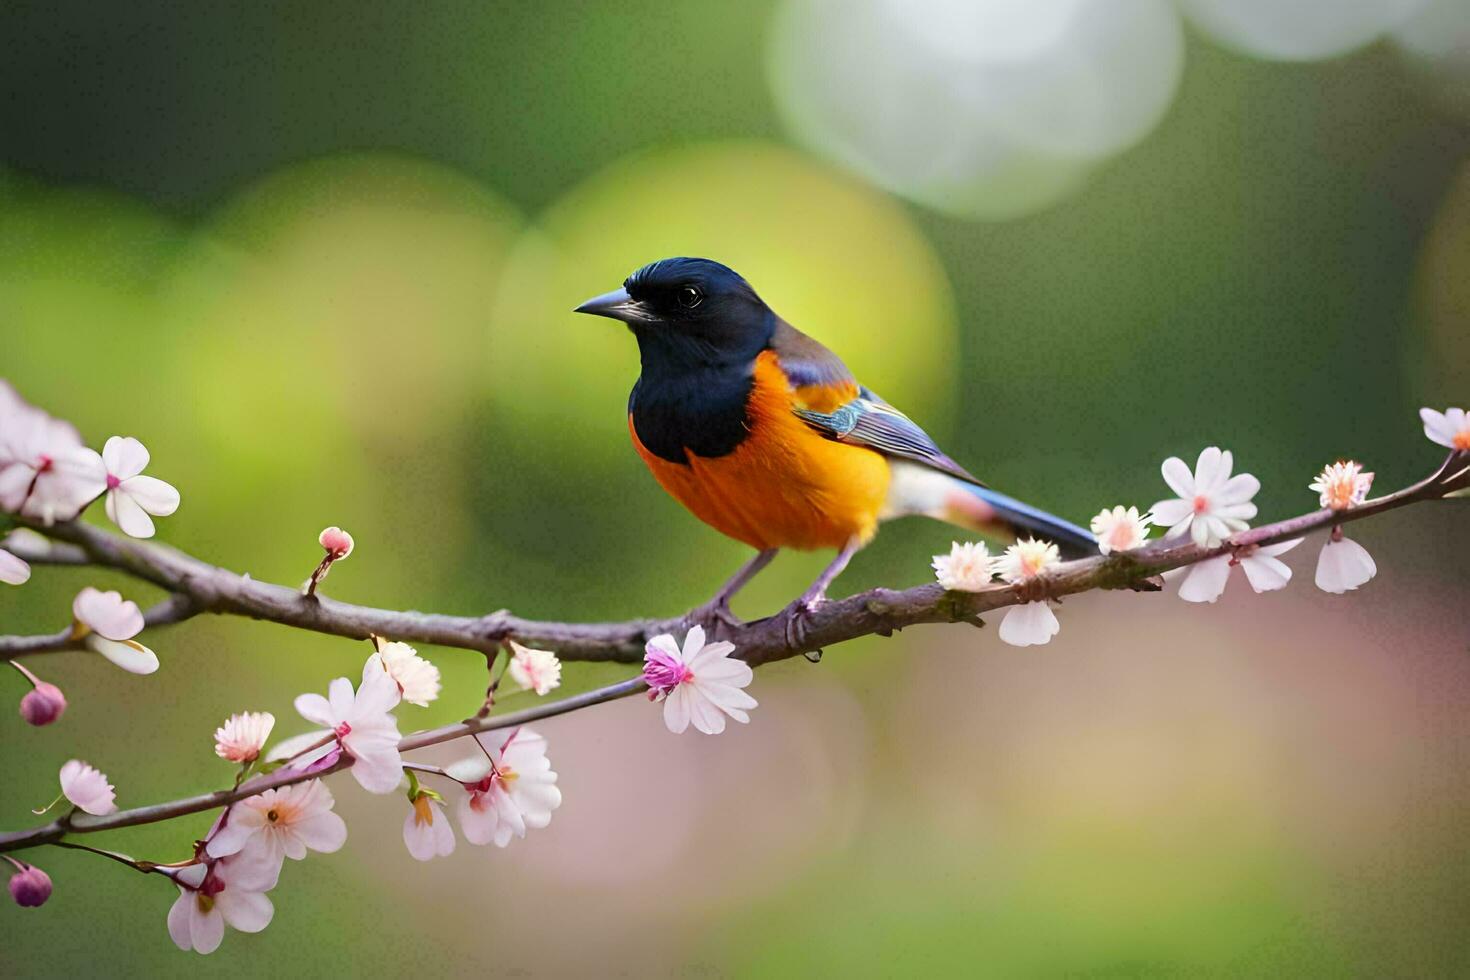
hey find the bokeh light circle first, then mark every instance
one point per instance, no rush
(1296, 30)
(1436, 44)
(993, 109)
(331, 312)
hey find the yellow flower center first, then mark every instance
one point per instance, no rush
(205, 902)
(1340, 493)
(508, 776)
(423, 811)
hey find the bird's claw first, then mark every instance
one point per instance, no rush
(797, 617)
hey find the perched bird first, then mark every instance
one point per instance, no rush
(766, 436)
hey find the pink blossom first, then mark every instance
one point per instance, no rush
(1031, 623)
(110, 623)
(87, 788)
(43, 466)
(243, 735)
(269, 827)
(700, 683)
(29, 886)
(213, 895)
(364, 726)
(1211, 504)
(416, 677)
(967, 568)
(1342, 485)
(42, 704)
(426, 830)
(1450, 428)
(131, 497)
(1120, 529)
(513, 790)
(535, 670)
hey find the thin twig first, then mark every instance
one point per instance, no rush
(146, 867)
(82, 823)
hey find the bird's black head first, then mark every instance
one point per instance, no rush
(688, 313)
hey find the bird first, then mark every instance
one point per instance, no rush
(764, 434)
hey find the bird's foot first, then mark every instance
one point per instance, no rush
(798, 618)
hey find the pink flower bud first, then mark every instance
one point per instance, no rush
(337, 542)
(43, 704)
(30, 886)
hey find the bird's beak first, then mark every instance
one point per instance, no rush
(617, 304)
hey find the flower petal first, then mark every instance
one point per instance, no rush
(322, 832)
(178, 920)
(1200, 532)
(107, 613)
(1343, 566)
(378, 773)
(13, 571)
(124, 457)
(1177, 476)
(206, 929)
(1029, 625)
(342, 698)
(1265, 573)
(693, 643)
(1171, 512)
(230, 838)
(156, 497)
(712, 654)
(1237, 490)
(315, 709)
(1211, 470)
(1437, 427)
(706, 717)
(377, 694)
(248, 911)
(677, 710)
(128, 514)
(665, 644)
(130, 655)
(1205, 581)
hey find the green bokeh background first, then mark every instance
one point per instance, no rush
(319, 258)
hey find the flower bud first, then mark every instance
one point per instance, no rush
(337, 542)
(43, 704)
(30, 886)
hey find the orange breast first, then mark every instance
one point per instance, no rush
(785, 486)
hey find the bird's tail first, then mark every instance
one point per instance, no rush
(917, 489)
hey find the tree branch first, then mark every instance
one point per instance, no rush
(199, 587)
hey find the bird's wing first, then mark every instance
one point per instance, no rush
(829, 399)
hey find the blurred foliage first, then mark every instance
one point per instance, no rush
(321, 259)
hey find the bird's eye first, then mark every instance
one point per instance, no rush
(690, 297)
